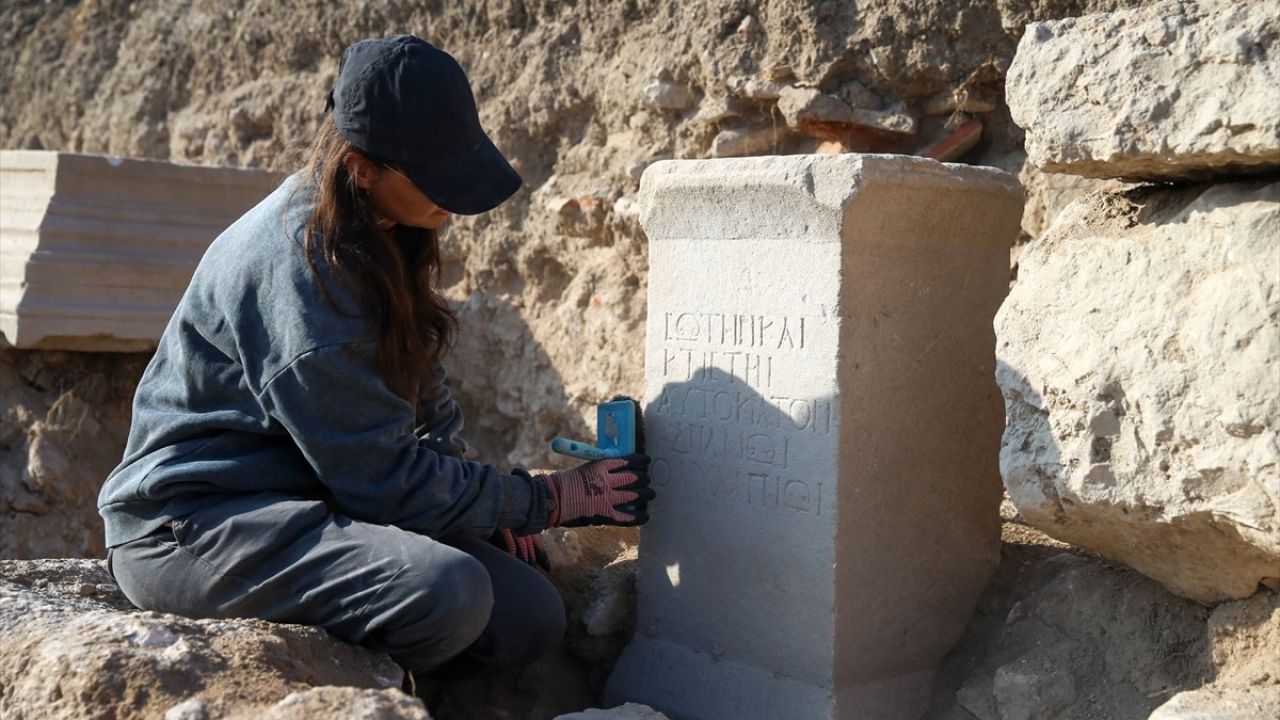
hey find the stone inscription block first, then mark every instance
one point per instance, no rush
(825, 428)
(95, 252)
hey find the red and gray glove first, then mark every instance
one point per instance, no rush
(527, 548)
(602, 492)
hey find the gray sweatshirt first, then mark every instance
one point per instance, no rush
(259, 386)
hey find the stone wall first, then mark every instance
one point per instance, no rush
(1140, 348)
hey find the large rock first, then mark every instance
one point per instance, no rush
(1138, 355)
(1179, 89)
(71, 645)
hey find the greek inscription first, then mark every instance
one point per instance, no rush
(728, 485)
(717, 366)
(776, 332)
(722, 430)
(746, 408)
(727, 444)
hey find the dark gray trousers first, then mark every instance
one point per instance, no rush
(452, 608)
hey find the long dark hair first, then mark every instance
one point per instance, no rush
(395, 278)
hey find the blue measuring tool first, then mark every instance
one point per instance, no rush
(615, 433)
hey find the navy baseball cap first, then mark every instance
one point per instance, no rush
(407, 102)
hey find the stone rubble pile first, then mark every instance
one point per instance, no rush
(73, 646)
(1139, 351)
(1061, 634)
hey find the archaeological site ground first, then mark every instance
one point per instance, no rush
(955, 325)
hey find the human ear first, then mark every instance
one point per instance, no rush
(361, 170)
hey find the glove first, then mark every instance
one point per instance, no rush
(526, 548)
(602, 492)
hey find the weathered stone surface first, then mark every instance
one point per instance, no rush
(1127, 644)
(95, 252)
(829, 117)
(64, 418)
(804, 106)
(1138, 356)
(348, 703)
(808, 325)
(739, 142)
(1218, 704)
(1178, 89)
(665, 95)
(73, 646)
(1023, 694)
(628, 711)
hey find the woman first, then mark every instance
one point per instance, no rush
(294, 452)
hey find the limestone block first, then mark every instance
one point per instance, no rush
(823, 430)
(1212, 703)
(1139, 356)
(1175, 89)
(95, 252)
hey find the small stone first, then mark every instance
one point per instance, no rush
(777, 73)
(898, 120)
(663, 95)
(827, 117)
(564, 205)
(975, 697)
(740, 142)
(803, 106)
(626, 207)
(629, 711)
(715, 109)
(1023, 694)
(856, 95)
(755, 88)
(192, 709)
(962, 99)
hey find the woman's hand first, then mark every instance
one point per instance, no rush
(602, 492)
(527, 548)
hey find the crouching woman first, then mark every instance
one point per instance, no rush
(294, 453)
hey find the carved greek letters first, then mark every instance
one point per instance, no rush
(721, 431)
(726, 330)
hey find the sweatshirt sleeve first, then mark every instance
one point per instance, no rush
(439, 417)
(358, 437)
